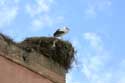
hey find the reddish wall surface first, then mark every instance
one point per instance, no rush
(11, 72)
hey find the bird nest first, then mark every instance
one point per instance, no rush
(62, 52)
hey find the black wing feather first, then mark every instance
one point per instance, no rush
(58, 33)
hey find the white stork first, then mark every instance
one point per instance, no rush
(60, 32)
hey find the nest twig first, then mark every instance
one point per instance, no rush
(62, 53)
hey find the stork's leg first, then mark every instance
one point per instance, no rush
(54, 43)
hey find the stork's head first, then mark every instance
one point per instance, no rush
(66, 28)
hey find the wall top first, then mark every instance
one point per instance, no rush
(47, 56)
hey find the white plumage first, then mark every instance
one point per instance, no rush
(60, 32)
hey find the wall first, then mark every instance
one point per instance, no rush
(36, 68)
(13, 73)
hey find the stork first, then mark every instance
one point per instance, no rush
(60, 32)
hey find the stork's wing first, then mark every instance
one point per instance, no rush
(58, 33)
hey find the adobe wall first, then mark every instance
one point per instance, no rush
(11, 72)
(36, 69)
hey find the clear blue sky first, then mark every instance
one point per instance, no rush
(97, 30)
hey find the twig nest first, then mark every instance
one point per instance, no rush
(62, 53)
